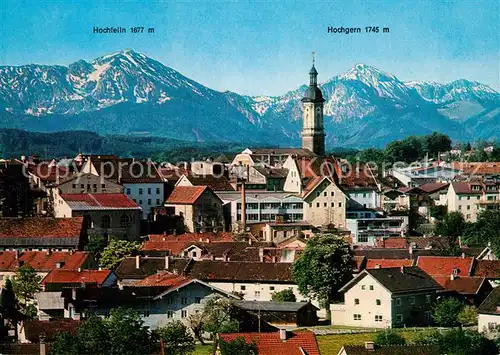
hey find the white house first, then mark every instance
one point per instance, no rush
(489, 313)
(387, 297)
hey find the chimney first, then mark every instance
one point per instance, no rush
(282, 334)
(224, 256)
(243, 208)
(79, 269)
(17, 254)
(73, 293)
(71, 252)
(167, 262)
(249, 241)
(137, 261)
(43, 346)
(452, 276)
(208, 240)
(463, 255)
(402, 269)
(369, 345)
(261, 255)
(49, 251)
(377, 266)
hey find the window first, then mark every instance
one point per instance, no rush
(149, 191)
(140, 202)
(378, 318)
(146, 313)
(128, 191)
(317, 204)
(357, 317)
(371, 287)
(74, 186)
(378, 302)
(492, 326)
(340, 204)
(149, 201)
(243, 287)
(325, 193)
(158, 201)
(333, 204)
(468, 207)
(398, 301)
(157, 190)
(363, 287)
(364, 195)
(140, 191)
(412, 300)
(333, 194)
(363, 239)
(124, 221)
(399, 318)
(271, 288)
(82, 186)
(468, 216)
(428, 299)
(194, 254)
(184, 300)
(106, 221)
(257, 293)
(184, 314)
(103, 186)
(460, 207)
(325, 204)
(356, 301)
(170, 314)
(197, 300)
(170, 300)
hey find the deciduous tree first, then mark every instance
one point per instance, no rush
(285, 295)
(323, 268)
(26, 283)
(115, 252)
(176, 338)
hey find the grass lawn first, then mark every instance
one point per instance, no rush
(203, 349)
(331, 344)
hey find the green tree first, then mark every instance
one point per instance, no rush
(285, 295)
(451, 227)
(8, 301)
(176, 339)
(195, 321)
(92, 337)
(457, 342)
(323, 268)
(96, 244)
(64, 344)
(237, 346)
(437, 143)
(445, 312)
(219, 316)
(127, 333)
(486, 230)
(430, 336)
(26, 283)
(115, 252)
(468, 316)
(389, 337)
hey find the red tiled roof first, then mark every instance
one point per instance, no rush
(433, 186)
(466, 187)
(176, 243)
(463, 285)
(64, 276)
(393, 242)
(387, 263)
(42, 260)
(270, 343)
(41, 227)
(186, 194)
(215, 183)
(100, 200)
(477, 168)
(444, 265)
(487, 268)
(163, 279)
(49, 174)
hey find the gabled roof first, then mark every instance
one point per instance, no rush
(487, 268)
(34, 328)
(239, 270)
(271, 172)
(445, 265)
(89, 202)
(49, 173)
(463, 285)
(387, 263)
(297, 343)
(41, 227)
(147, 266)
(398, 280)
(491, 305)
(220, 183)
(42, 260)
(65, 276)
(140, 172)
(462, 188)
(434, 186)
(176, 243)
(272, 306)
(186, 195)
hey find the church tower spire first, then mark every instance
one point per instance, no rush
(313, 131)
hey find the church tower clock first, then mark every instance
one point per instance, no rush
(313, 131)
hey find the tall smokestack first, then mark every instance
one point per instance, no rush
(243, 207)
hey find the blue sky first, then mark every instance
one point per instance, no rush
(264, 47)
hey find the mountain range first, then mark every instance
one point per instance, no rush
(130, 93)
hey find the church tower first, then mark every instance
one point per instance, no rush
(313, 131)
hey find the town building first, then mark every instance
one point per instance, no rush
(386, 298)
(200, 208)
(369, 348)
(489, 313)
(104, 214)
(42, 233)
